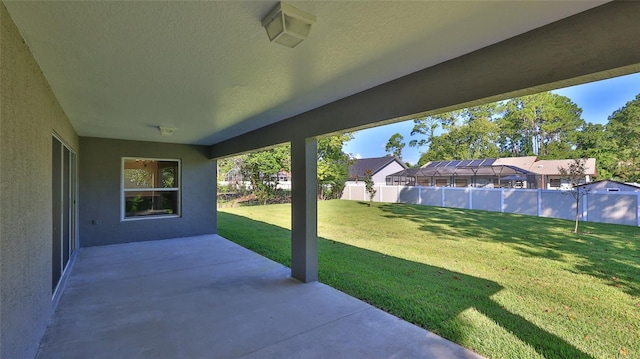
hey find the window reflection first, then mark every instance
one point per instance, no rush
(151, 187)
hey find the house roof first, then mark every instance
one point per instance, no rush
(550, 167)
(595, 183)
(375, 164)
(496, 166)
(121, 69)
(524, 162)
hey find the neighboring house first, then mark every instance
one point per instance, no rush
(236, 180)
(380, 167)
(513, 172)
(548, 173)
(612, 186)
(284, 180)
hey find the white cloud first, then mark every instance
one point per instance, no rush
(357, 156)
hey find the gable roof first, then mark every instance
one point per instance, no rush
(524, 162)
(375, 164)
(550, 167)
(633, 186)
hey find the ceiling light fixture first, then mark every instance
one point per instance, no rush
(287, 25)
(166, 131)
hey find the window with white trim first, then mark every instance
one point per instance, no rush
(150, 188)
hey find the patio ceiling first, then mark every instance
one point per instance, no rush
(120, 69)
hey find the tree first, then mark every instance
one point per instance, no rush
(543, 124)
(262, 168)
(474, 137)
(473, 140)
(468, 133)
(624, 126)
(595, 141)
(426, 126)
(368, 184)
(395, 145)
(574, 174)
(333, 166)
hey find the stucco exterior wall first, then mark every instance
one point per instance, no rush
(100, 171)
(29, 114)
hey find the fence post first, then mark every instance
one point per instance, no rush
(470, 197)
(585, 213)
(539, 202)
(638, 210)
(501, 199)
(419, 195)
(442, 204)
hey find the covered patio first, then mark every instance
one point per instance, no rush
(206, 297)
(91, 87)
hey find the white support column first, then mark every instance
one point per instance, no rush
(304, 211)
(501, 199)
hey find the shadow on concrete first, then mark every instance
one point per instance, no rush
(403, 288)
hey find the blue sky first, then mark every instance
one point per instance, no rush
(598, 100)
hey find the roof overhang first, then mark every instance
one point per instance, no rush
(122, 69)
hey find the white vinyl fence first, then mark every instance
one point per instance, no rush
(597, 206)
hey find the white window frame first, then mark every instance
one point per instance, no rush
(123, 190)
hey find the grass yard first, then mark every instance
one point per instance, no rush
(504, 285)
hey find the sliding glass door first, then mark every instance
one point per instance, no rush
(63, 208)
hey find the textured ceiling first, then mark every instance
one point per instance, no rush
(120, 69)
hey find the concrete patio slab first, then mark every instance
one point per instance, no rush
(206, 297)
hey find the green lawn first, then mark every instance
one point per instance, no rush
(504, 285)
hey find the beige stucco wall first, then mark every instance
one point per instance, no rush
(29, 113)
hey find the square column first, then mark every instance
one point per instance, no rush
(304, 209)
